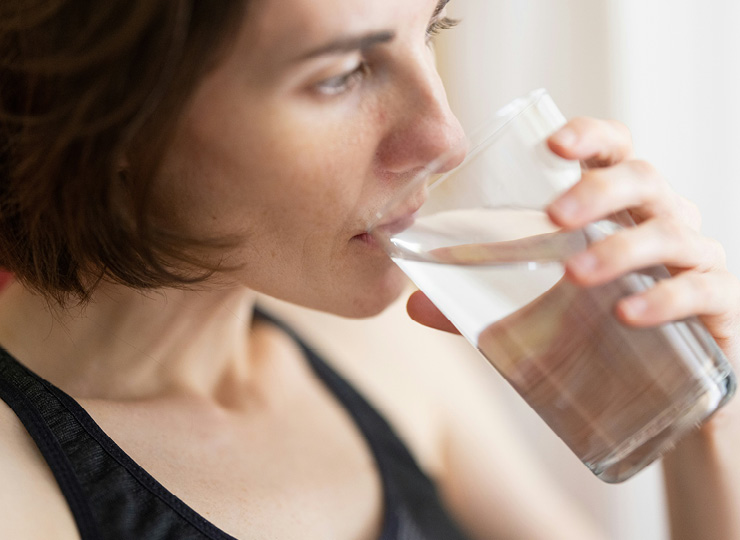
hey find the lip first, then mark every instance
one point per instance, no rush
(367, 238)
(402, 216)
(394, 224)
(397, 224)
(398, 218)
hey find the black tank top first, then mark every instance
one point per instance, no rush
(111, 497)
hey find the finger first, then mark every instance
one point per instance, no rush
(714, 296)
(598, 143)
(634, 185)
(657, 241)
(421, 309)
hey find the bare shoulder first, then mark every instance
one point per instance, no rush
(413, 375)
(32, 504)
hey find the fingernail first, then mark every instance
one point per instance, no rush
(565, 137)
(583, 263)
(632, 308)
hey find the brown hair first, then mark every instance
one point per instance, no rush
(90, 93)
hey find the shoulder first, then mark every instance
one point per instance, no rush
(414, 376)
(32, 504)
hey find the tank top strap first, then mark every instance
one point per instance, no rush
(414, 509)
(29, 397)
(105, 489)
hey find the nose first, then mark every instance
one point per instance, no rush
(423, 128)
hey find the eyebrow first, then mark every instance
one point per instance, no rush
(345, 45)
(352, 43)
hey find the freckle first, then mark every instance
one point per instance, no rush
(380, 114)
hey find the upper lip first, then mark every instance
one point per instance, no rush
(400, 217)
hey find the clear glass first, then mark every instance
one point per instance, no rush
(477, 241)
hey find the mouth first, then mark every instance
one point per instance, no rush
(401, 216)
(395, 223)
(393, 219)
(366, 238)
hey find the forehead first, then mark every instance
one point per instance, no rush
(286, 25)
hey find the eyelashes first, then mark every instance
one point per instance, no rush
(445, 23)
(343, 83)
(347, 81)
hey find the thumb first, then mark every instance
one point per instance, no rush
(421, 309)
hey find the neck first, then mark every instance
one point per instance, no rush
(127, 344)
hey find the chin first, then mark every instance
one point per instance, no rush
(366, 297)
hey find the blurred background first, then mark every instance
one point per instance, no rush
(669, 70)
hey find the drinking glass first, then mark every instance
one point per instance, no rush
(477, 241)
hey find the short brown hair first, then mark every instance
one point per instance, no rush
(86, 86)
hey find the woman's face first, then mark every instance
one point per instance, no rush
(318, 115)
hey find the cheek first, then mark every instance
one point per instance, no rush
(297, 185)
(228, 180)
(307, 172)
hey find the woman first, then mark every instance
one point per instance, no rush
(164, 161)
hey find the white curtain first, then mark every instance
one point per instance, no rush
(670, 70)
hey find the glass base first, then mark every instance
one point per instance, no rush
(628, 460)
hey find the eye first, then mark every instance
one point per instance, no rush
(345, 82)
(438, 25)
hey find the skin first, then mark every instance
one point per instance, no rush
(303, 207)
(297, 154)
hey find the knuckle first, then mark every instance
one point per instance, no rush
(652, 183)
(670, 295)
(699, 287)
(717, 252)
(690, 211)
(683, 294)
(733, 287)
(645, 170)
(607, 125)
(622, 131)
(722, 310)
(620, 249)
(672, 230)
(582, 123)
(611, 140)
(597, 182)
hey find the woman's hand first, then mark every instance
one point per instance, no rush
(667, 232)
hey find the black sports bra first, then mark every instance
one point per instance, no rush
(111, 497)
